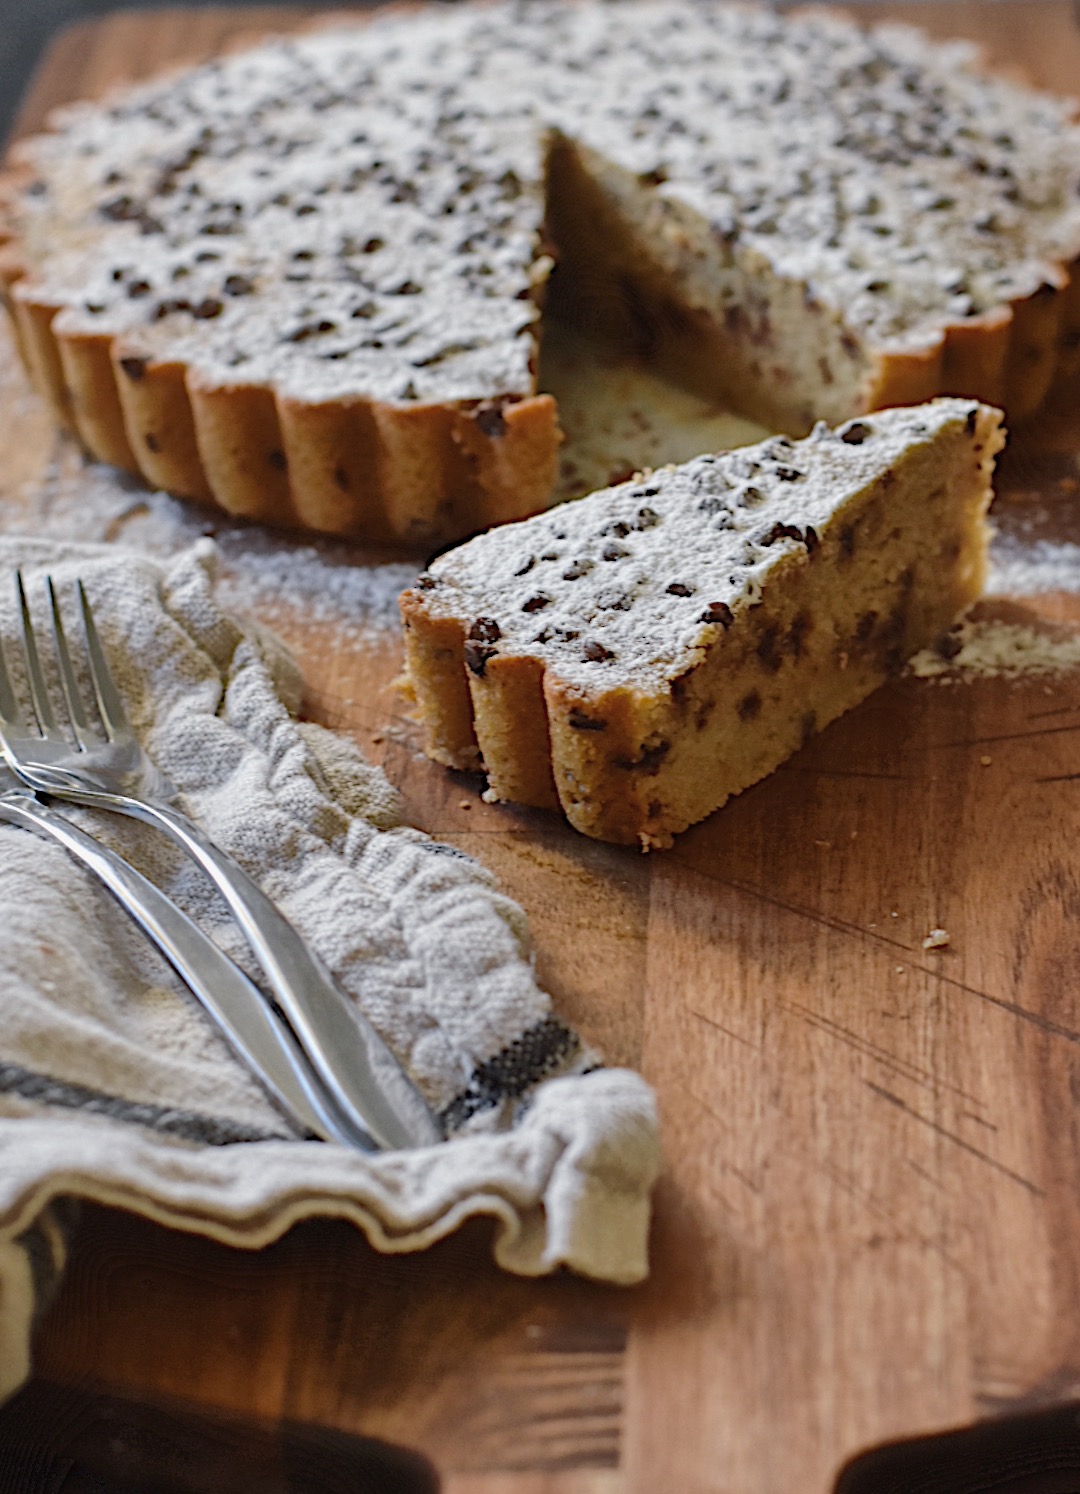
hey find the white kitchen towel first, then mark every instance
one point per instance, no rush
(116, 1087)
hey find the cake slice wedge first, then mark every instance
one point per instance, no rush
(638, 657)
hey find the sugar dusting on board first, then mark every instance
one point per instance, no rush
(998, 647)
(263, 572)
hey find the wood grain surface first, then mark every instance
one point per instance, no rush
(869, 1224)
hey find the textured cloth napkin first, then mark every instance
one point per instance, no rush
(114, 1084)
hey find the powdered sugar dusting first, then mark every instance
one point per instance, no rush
(988, 647)
(263, 572)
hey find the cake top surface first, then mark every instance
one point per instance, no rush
(627, 586)
(359, 209)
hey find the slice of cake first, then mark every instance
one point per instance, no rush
(641, 655)
(307, 281)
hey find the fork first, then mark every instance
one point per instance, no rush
(362, 1078)
(264, 1043)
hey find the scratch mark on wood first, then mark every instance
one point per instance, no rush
(842, 926)
(735, 1036)
(947, 1135)
(882, 1055)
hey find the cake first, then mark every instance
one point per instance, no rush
(637, 657)
(306, 282)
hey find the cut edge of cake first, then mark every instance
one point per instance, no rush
(889, 572)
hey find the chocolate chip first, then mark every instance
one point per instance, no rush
(490, 420)
(426, 582)
(526, 566)
(207, 309)
(614, 551)
(577, 569)
(581, 722)
(647, 518)
(680, 589)
(856, 434)
(789, 474)
(485, 630)
(596, 653)
(239, 285)
(718, 612)
(135, 368)
(138, 289)
(618, 528)
(536, 603)
(971, 422)
(477, 656)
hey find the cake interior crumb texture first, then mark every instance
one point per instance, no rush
(309, 281)
(639, 656)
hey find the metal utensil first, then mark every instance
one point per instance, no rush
(108, 768)
(263, 1043)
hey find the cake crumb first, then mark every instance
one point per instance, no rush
(986, 760)
(936, 939)
(464, 803)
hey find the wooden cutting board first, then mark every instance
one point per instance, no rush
(869, 1224)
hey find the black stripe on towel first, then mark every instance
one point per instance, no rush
(537, 1054)
(187, 1125)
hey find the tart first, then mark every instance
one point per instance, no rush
(306, 282)
(639, 656)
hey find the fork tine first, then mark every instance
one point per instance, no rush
(110, 705)
(11, 716)
(85, 734)
(39, 692)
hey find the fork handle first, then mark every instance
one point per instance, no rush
(361, 1075)
(223, 989)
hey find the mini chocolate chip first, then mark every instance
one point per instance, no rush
(789, 474)
(477, 655)
(139, 288)
(577, 569)
(596, 653)
(581, 722)
(856, 434)
(207, 309)
(526, 566)
(536, 603)
(781, 531)
(372, 246)
(718, 612)
(766, 650)
(135, 368)
(614, 551)
(485, 630)
(749, 706)
(619, 529)
(971, 422)
(647, 518)
(426, 582)
(239, 285)
(680, 589)
(490, 420)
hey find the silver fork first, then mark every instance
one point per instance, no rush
(363, 1079)
(264, 1043)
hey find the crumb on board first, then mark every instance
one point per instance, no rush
(936, 939)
